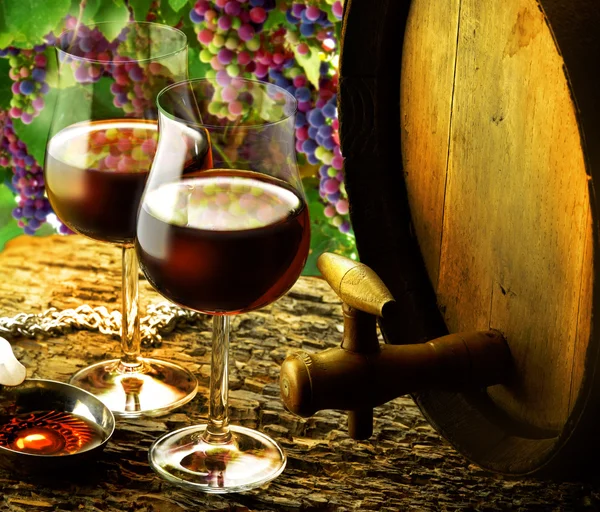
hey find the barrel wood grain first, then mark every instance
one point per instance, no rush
(426, 91)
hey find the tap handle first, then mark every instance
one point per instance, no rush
(356, 284)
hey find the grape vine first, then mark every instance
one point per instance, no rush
(236, 44)
(32, 207)
(28, 73)
(292, 45)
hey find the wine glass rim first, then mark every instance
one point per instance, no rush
(128, 23)
(260, 83)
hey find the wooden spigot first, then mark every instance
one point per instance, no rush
(361, 374)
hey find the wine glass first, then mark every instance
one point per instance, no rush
(103, 138)
(223, 229)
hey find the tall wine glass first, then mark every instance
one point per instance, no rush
(102, 141)
(223, 229)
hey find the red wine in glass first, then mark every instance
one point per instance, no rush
(96, 173)
(223, 241)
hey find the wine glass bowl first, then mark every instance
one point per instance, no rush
(223, 229)
(103, 138)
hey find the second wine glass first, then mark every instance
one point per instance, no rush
(223, 229)
(102, 142)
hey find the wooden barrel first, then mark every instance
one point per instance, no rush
(471, 132)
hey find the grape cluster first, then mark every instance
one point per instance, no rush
(28, 72)
(85, 49)
(135, 87)
(318, 138)
(310, 31)
(316, 122)
(28, 181)
(229, 31)
(313, 28)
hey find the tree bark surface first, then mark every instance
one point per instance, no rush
(405, 466)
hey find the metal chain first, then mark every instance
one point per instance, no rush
(161, 318)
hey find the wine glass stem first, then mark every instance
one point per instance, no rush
(217, 431)
(130, 320)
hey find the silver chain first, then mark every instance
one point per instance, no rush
(161, 318)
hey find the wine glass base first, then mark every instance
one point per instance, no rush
(153, 389)
(249, 460)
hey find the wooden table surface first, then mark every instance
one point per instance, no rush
(405, 466)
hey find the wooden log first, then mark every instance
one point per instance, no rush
(404, 466)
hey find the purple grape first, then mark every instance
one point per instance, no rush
(312, 159)
(136, 74)
(329, 110)
(225, 56)
(38, 74)
(334, 198)
(33, 224)
(246, 32)
(312, 13)
(27, 87)
(225, 24)
(81, 74)
(195, 17)
(328, 143)
(307, 29)
(289, 16)
(300, 119)
(315, 117)
(303, 94)
(85, 44)
(325, 130)
(345, 227)
(298, 9)
(233, 8)
(309, 146)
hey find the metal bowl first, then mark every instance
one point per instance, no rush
(77, 418)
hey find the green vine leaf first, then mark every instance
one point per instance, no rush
(276, 18)
(140, 8)
(5, 174)
(6, 35)
(5, 85)
(177, 5)
(168, 15)
(28, 21)
(8, 232)
(8, 225)
(114, 11)
(7, 204)
(324, 237)
(310, 63)
(45, 230)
